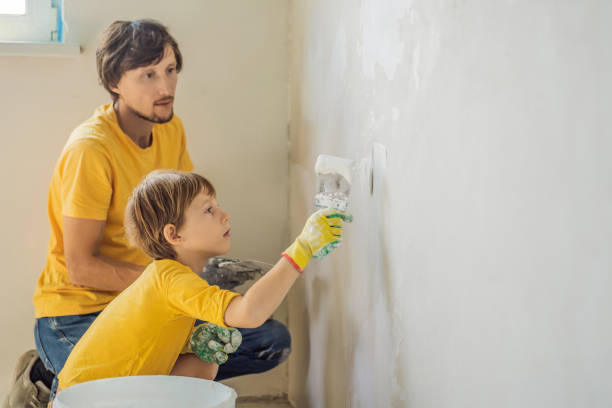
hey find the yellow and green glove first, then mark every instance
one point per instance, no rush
(213, 343)
(321, 235)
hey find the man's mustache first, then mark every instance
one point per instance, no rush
(164, 100)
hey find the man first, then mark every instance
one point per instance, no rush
(89, 260)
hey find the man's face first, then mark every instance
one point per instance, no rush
(148, 92)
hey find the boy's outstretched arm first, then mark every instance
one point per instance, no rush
(263, 298)
(322, 230)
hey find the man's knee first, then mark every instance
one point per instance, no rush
(278, 342)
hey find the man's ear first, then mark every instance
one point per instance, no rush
(171, 234)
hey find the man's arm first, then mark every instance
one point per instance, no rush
(86, 267)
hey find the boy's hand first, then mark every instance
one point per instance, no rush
(213, 343)
(321, 234)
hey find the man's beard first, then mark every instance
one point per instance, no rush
(154, 118)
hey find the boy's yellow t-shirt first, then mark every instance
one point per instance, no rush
(143, 330)
(93, 178)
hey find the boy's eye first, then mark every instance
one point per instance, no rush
(149, 75)
(170, 70)
(209, 210)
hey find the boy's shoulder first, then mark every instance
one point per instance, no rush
(168, 266)
(168, 273)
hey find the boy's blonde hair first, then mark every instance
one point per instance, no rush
(160, 199)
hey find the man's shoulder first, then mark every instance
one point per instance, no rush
(86, 144)
(98, 128)
(95, 132)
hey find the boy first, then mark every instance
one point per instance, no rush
(174, 218)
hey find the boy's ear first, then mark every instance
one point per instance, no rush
(171, 234)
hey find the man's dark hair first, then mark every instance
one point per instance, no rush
(127, 45)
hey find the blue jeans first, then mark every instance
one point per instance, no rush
(262, 348)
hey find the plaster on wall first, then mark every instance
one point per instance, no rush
(479, 274)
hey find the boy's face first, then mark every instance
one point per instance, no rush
(148, 92)
(205, 228)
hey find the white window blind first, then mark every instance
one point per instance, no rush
(28, 20)
(13, 7)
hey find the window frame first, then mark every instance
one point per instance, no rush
(40, 32)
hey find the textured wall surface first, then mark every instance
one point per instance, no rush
(232, 97)
(477, 274)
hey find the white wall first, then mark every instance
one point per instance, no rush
(478, 275)
(232, 97)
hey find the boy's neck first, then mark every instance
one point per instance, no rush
(196, 263)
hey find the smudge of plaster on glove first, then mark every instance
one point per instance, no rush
(316, 240)
(215, 345)
(236, 338)
(220, 357)
(326, 250)
(198, 338)
(223, 334)
(229, 348)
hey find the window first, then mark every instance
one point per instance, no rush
(34, 28)
(13, 7)
(30, 20)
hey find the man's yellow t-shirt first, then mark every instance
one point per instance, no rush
(93, 178)
(143, 330)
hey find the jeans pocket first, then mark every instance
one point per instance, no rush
(69, 329)
(63, 331)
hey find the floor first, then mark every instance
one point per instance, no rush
(262, 402)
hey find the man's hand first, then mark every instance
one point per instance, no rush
(213, 343)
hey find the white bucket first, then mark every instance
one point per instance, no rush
(150, 391)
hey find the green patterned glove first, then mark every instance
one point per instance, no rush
(213, 343)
